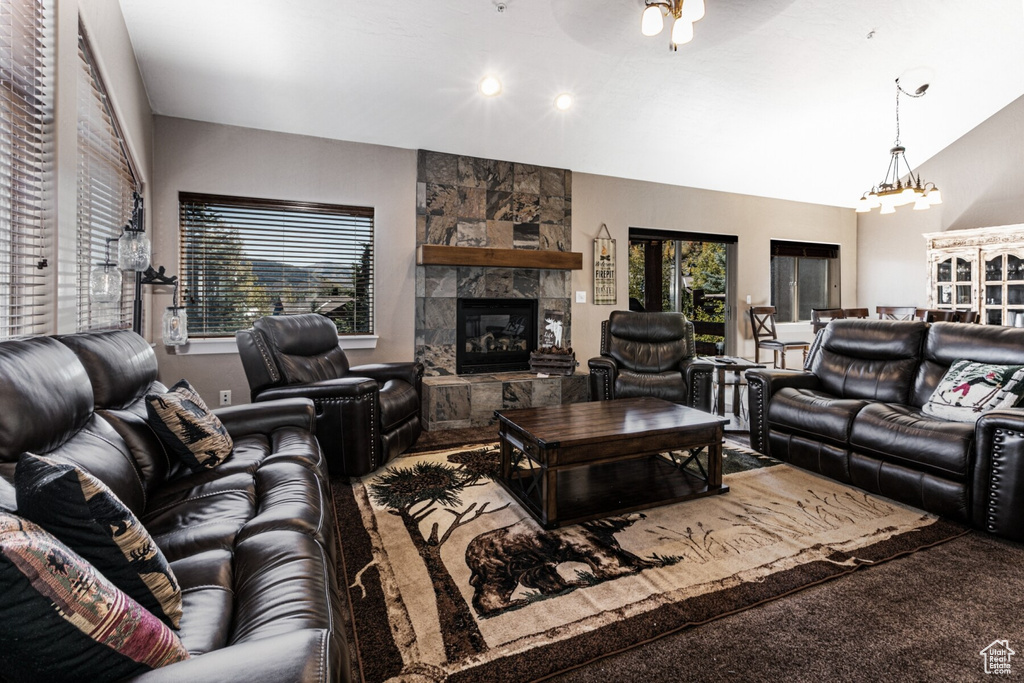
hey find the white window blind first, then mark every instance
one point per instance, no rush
(242, 259)
(26, 51)
(106, 181)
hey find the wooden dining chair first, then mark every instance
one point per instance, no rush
(762, 323)
(935, 315)
(969, 317)
(821, 317)
(896, 312)
(856, 312)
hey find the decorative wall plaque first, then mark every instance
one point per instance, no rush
(604, 267)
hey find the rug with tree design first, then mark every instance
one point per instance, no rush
(448, 579)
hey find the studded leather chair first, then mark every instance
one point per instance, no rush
(365, 415)
(650, 354)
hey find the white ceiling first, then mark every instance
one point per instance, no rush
(778, 98)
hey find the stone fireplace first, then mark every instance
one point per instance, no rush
(471, 202)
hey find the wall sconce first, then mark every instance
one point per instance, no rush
(134, 253)
(105, 279)
(175, 322)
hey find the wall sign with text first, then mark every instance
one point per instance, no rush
(604, 267)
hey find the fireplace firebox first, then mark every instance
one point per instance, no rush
(494, 335)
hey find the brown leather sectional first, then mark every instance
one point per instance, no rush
(252, 541)
(855, 415)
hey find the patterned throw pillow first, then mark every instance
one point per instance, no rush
(84, 514)
(187, 427)
(969, 389)
(61, 620)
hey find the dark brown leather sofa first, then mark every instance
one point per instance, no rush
(366, 415)
(650, 354)
(252, 541)
(855, 416)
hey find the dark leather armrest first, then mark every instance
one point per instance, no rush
(343, 387)
(698, 373)
(309, 655)
(761, 385)
(382, 372)
(998, 485)
(265, 417)
(603, 371)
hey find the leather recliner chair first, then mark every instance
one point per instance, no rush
(650, 354)
(365, 415)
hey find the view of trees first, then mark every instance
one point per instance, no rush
(704, 262)
(225, 288)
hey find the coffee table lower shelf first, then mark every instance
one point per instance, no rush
(612, 488)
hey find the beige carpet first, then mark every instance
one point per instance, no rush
(450, 580)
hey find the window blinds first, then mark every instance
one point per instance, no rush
(26, 50)
(106, 181)
(242, 259)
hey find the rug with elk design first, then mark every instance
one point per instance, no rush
(448, 579)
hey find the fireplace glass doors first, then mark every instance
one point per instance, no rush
(494, 335)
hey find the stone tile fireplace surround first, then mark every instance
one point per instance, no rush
(472, 202)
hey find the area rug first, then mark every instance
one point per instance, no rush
(450, 580)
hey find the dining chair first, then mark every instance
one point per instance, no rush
(821, 317)
(896, 312)
(762, 323)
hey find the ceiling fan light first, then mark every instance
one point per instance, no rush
(693, 10)
(651, 22)
(682, 31)
(490, 86)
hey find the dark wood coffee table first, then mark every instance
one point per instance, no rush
(572, 463)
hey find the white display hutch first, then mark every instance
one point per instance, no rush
(980, 269)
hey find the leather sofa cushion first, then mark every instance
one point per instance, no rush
(873, 359)
(304, 346)
(291, 497)
(283, 583)
(648, 343)
(950, 342)
(904, 435)
(208, 598)
(398, 401)
(121, 365)
(668, 385)
(814, 413)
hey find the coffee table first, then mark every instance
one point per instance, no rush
(581, 461)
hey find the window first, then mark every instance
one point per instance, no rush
(25, 116)
(804, 276)
(242, 259)
(106, 183)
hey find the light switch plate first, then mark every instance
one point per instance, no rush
(581, 297)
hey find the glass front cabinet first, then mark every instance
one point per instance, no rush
(981, 270)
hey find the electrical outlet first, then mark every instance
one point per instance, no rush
(225, 397)
(581, 297)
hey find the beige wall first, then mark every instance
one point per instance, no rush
(623, 204)
(981, 177)
(214, 159)
(112, 49)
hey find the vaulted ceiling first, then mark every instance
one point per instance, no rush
(791, 99)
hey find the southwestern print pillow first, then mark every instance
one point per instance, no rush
(970, 389)
(187, 427)
(61, 620)
(84, 514)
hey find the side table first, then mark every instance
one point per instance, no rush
(737, 366)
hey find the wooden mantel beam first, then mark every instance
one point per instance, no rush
(444, 255)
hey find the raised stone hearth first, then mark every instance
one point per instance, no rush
(456, 402)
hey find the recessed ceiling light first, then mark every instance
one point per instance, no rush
(490, 86)
(563, 101)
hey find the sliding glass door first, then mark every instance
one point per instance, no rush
(688, 273)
